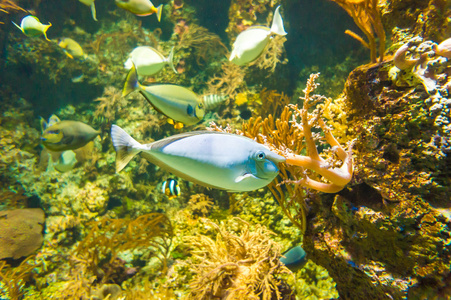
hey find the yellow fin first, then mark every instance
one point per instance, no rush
(178, 125)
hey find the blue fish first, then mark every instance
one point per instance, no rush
(294, 259)
(171, 188)
(213, 159)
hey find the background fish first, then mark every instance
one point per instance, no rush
(250, 43)
(212, 101)
(212, 159)
(175, 102)
(140, 8)
(171, 188)
(71, 48)
(31, 26)
(148, 60)
(66, 135)
(90, 3)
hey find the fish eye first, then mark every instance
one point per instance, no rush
(200, 105)
(261, 155)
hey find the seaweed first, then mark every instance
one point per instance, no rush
(13, 279)
(98, 252)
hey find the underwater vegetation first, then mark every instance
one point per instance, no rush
(362, 186)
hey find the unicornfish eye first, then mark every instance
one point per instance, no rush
(261, 155)
(200, 106)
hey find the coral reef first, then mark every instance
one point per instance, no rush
(242, 265)
(20, 232)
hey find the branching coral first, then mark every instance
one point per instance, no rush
(229, 82)
(13, 279)
(200, 204)
(288, 135)
(242, 265)
(100, 248)
(366, 16)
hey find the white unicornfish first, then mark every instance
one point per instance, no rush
(176, 102)
(250, 43)
(31, 26)
(90, 3)
(213, 159)
(148, 60)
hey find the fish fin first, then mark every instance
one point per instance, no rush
(53, 120)
(126, 147)
(21, 29)
(170, 60)
(178, 125)
(159, 11)
(93, 11)
(170, 121)
(69, 55)
(244, 177)
(44, 124)
(131, 82)
(45, 31)
(277, 23)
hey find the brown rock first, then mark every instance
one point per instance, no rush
(20, 232)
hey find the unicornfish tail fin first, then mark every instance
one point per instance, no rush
(93, 11)
(277, 23)
(159, 11)
(126, 147)
(131, 82)
(171, 60)
(46, 27)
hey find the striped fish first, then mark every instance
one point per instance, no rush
(212, 101)
(171, 188)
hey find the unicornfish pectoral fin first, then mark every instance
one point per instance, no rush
(277, 23)
(244, 177)
(126, 147)
(93, 11)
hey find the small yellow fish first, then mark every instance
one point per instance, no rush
(140, 8)
(66, 135)
(31, 26)
(90, 3)
(176, 102)
(71, 48)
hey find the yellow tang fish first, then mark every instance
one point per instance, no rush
(176, 102)
(71, 48)
(66, 135)
(90, 3)
(171, 188)
(249, 44)
(31, 26)
(140, 8)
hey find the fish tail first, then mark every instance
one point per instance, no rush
(171, 60)
(131, 82)
(93, 11)
(159, 11)
(126, 147)
(277, 23)
(46, 27)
